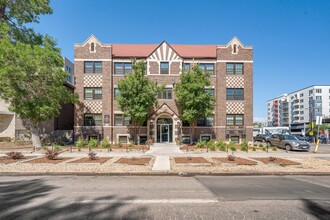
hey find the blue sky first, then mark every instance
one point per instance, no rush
(291, 38)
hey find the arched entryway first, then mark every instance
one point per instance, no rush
(164, 129)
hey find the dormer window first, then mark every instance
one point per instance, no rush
(92, 47)
(235, 49)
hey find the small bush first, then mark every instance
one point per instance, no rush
(92, 155)
(254, 149)
(244, 146)
(105, 143)
(81, 143)
(222, 145)
(56, 147)
(255, 145)
(52, 154)
(201, 144)
(231, 157)
(149, 142)
(263, 148)
(232, 146)
(92, 143)
(211, 145)
(15, 155)
(274, 148)
(261, 145)
(119, 144)
(131, 144)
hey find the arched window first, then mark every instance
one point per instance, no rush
(92, 47)
(235, 48)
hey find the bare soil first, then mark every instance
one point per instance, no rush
(134, 161)
(11, 146)
(99, 160)
(279, 161)
(190, 160)
(49, 161)
(7, 160)
(238, 160)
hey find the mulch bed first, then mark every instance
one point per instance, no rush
(99, 160)
(7, 160)
(48, 161)
(114, 147)
(238, 161)
(279, 161)
(134, 161)
(190, 160)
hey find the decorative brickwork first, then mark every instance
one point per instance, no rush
(92, 80)
(93, 107)
(234, 81)
(235, 107)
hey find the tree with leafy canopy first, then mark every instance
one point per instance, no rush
(31, 67)
(137, 96)
(17, 13)
(193, 100)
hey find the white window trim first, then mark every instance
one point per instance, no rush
(209, 135)
(127, 136)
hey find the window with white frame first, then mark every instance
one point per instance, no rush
(318, 90)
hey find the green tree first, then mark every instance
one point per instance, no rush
(16, 14)
(32, 80)
(138, 96)
(193, 100)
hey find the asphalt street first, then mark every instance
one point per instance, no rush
(165, 197)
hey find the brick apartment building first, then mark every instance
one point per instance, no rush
(99, 67)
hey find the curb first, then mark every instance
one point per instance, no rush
(166, 174)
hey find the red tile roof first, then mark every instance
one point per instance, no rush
(144, 50)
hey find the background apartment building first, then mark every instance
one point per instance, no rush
(11, 125)
(99, 67)
(299, 108)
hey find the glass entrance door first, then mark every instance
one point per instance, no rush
(164, 133)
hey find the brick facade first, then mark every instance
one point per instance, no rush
(175, 55)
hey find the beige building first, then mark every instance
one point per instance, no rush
(99, 67)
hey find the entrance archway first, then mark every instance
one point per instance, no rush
(164, 129)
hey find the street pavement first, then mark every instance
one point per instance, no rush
(165, 197)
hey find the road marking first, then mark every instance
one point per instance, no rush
(148, 201)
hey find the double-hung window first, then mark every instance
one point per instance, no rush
(234, 120)
(234, 69)
(207, 67)
(164, 68)
(121, 120)
(93, 119)
(93, 93)
(122, 68)
(210, 90)
(92, 67)
(206, 121)
(165, 94)
(235, 94)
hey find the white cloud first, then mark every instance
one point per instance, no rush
(259, 119)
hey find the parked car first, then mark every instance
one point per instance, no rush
(301, 138)
(288, 142)
(261, 137)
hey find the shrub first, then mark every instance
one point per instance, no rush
(15, 155)
(131, 144)
(92, 155)
(149, 142)
(244, 146)
(263, 148)
(92, 143)
(105, 144)
(211, 145)
(52, 154)
(81, 143)
(201, 144)
(232, 146)
(254, 149)
(261, 145)
(255, 145)
(56, 147)
(231, 157)
(274, 148)
(222, 145)
(119, 144)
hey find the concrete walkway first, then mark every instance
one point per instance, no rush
(162, 163)
(164, 150)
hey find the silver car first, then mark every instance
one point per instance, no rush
(288, 142)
